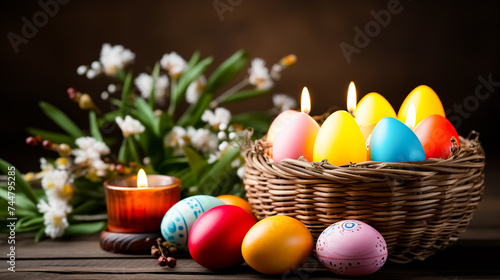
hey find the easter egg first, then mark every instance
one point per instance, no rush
(340, 140)
(426, 103)
(351, 248)
(393, 141)
(215, 238)
(296, 138)
(277, 244)
(435, 133)
(278, 123)
(370, 110)
(179, 219)
(236, 201)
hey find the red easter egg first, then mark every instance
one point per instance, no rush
(435, 133)
(216, 237)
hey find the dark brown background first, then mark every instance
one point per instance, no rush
(444, 44)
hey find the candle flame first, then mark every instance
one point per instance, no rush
(411, 117)
(305, 101)
(351, 98)
(142, 179)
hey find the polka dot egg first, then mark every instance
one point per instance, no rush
(179, 219)
(351, 248)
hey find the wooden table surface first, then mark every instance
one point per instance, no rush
(475, 256)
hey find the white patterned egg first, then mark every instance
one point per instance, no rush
(179, 219)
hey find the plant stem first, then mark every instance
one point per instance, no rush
(173, 89)
(229, 92)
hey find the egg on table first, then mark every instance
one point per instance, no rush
(351, 248)
(179, 219)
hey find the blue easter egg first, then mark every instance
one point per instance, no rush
(179, 219)
(393, 141)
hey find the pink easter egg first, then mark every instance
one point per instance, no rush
(351, 248)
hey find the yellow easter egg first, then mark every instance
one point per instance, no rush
(340, 140)
(426, 103)
(370, 110)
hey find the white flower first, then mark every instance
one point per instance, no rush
(241, 172)
(89, 155)
(232, 135)
(54, 216)
(101, 168)
(129, 125)
(236, 163)
(213, 157)
(104, 95)
(177, 138)
(222, 135)
(91, 74)
(57, 185)
(111, 88)
(276, 71)
(284, 102)
(259, 74)
(81, 70)
(203, 139)
(114, 58)
(45, 166)
(174, 64)
(96, 66)
(217, 117)
(195, 89)
(144, 83)
(223, 146)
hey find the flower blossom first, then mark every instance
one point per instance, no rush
(57, 185)
(203, 139)
(54, 216)
(174, 64)
(219, 117)
(89, 155)
(144, 83)
(195, 89)
(177, 138)
(284, 102)
(259, 74)
(129, 126)
(114, 58)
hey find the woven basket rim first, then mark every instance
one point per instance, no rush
(469, 152)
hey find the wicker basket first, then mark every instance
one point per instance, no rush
(419, 207)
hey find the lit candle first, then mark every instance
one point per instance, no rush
(351, 99)
(426, 103)
(296, 138)
(411, 117)
(138, 203)
(370, 110)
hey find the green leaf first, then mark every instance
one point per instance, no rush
(227, 71)
(196, 162)
(146, 116)
(22, 202)
(86, 207)
(21, 185)
(111, 116)
(52, 136)
(133, 151)
(246, 94)
(258, 120)
(123, 153)
(32, 221)
(61, 119)
(193, 114)
(193, 60)
(94, 128)
(126, 92)
(40, 234)
(166, 123)
(211, 179)
(84, 228)
(156, 72)
(189, 76)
